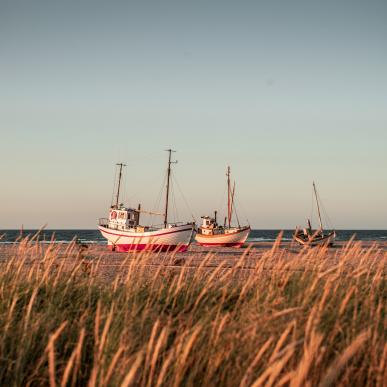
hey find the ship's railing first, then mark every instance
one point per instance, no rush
(174, 224)
(104, 222)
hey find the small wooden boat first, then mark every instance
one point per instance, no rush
(210, 233)
(310, 237)
(123, 231)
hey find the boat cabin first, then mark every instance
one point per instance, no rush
(210, 226)
(123, 218)
(208, 222)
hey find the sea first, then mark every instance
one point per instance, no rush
(93, 236)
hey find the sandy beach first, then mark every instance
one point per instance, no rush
(98, 261)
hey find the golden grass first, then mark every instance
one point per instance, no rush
(283, 319)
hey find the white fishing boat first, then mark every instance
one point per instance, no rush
(124, 233)
(309, 237)
(210, 233)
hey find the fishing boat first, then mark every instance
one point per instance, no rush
(309, 237)
(210, 233)
(124, 233)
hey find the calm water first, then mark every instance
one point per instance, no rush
(93, 236)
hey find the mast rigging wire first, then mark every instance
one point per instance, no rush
(221, 203)
(174, 207)
(238, 203)
(114, 185)
(182, 195)
(124, 188)
(156, 206)
(312, 208)
(325, 213)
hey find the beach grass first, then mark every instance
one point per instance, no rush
(290, 320)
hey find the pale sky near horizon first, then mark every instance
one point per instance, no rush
(286, 92)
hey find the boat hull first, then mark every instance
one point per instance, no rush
(167, 239)
(327, 240)
(234, 239)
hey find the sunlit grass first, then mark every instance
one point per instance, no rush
(292, 319)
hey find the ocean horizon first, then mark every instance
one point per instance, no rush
(93, 236)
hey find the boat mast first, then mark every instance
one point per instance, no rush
(168, 183)
(121, 165)
(229, 211)
(318, 206)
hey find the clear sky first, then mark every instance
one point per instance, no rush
(286, 92)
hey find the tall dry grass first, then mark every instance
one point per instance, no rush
(315, 318)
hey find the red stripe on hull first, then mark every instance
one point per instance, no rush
(238, 244)
(146, 247)
(142, 236)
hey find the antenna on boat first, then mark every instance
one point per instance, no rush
(121, 165)
(168, 183)
(318, 205)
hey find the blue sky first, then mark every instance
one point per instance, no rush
(284, 92)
